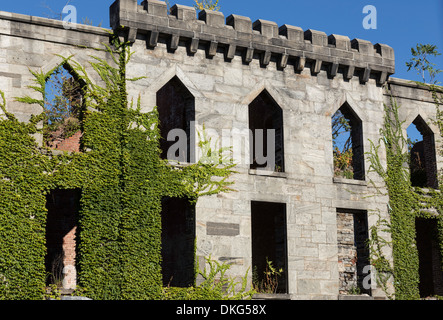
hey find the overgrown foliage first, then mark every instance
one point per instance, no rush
(342, 146)
(23, 183)
(63, 107)
(401, 204)
(202, 5)
(421, 63)
(268, 282)
(215, 285)
(122, 180)
(207, 5)
(406, 203)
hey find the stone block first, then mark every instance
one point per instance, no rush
(117, 8)
(268, 29)
(232, 260)
(317, 38)
(248, 55)
(333, 69)
(74, 298)
(363, 46)
(385, 51)
(16, 78)
(222, 229)
(128, 5)
(271, 296)
(340, 42)
(193, 45)
(212, 50)
(155, 7)
(305, 286)
(292, 33)
(184, 12)
(239, 23)
(212, 18)
(355, 297)
(230, 52)
(316, 66)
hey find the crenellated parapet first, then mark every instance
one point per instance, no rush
(261, 39)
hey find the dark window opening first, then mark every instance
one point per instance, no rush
(347, 137)
(61, 237)
(423, 163)
(64, 106)
(266, 141)
(353, 251)
(178, 242)
(176, 110)
(430, 264)
(269, 247)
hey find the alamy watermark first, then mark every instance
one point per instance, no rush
(69, 14)
(226, 147)
(370, 20)
(369, 281)
(69, 17)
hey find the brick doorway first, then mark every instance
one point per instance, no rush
(353, 251)
(61, 237)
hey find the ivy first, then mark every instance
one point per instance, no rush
(23, 183)
(122, 180)
(406, 203)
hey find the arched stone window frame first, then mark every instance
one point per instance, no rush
(427, 129)
(271, 95)
(352, 113)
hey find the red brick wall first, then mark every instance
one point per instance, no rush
(70, 144)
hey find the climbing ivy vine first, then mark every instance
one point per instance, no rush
(23, 183)
(406, 203)
(122, 181)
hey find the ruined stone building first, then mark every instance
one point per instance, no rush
(232, 75)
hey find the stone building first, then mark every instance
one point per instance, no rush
(233, 75)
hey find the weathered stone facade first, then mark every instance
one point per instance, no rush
(225, 64)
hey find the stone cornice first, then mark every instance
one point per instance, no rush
(50, 30)
(260, 39)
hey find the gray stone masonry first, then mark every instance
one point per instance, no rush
(226, 63)
(264, 38)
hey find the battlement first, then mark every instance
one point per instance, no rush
(261, 39)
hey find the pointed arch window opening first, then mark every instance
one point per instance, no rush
(347, 140)
(266, 134)
(176, 110)
(64, 109)
(423, 162)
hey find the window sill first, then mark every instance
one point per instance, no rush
(271, 296)
(349, 181)
(175, 163)
(268, 173)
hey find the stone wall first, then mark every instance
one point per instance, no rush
(225, 63)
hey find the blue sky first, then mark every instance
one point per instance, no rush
(400, 24)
